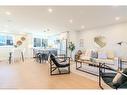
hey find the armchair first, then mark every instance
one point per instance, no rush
(114, 78)
(55, 64)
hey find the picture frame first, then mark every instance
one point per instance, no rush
(81, 42)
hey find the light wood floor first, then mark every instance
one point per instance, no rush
(32, 75)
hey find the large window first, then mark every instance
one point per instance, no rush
(37, 42)
(9, 40)
(44, 42)
(40, 42)
(6, 40)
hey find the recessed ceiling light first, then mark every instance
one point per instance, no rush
(117, 18)
(82, 27)
(50, 10)
(70, 20)
(8, 13)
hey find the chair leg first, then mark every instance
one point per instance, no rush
(100, 75)
(69, 69)
(40, 59)
(59, 71)
(10, 58)
(51, 70)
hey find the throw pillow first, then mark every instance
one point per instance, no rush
(88, 53)
(94, 54)
(102, 55)
(110, 55)
(119, 79)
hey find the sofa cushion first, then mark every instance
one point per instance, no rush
(84, 57)
(107, 61)
(88, 53)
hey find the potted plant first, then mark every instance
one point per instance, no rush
(71, 48)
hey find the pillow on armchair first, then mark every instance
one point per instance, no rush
(120, 79)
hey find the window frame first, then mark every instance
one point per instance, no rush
(41, 38)
(2, 34)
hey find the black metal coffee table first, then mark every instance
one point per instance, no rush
(79, 66)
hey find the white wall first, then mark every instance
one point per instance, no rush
(73, 37)
(28, 44)
(113, 34)
(4, 50)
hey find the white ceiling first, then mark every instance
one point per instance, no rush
(38, 19)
